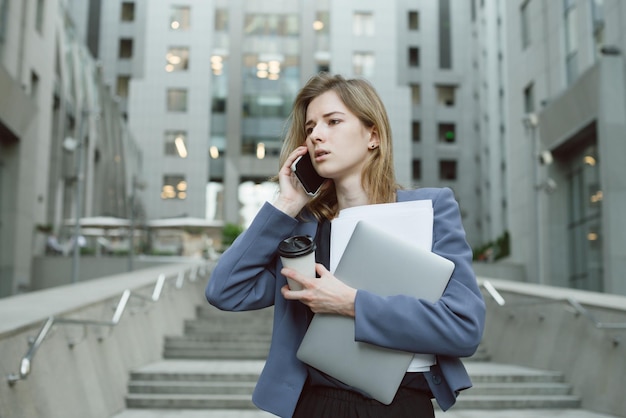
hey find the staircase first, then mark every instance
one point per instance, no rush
(216, 363)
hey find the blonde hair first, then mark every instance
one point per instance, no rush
(360, 97)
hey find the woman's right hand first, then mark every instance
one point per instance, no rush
(291, 195)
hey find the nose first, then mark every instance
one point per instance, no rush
(316, 134)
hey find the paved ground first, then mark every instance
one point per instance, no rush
(518, 413)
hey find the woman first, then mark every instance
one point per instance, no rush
(343, 126)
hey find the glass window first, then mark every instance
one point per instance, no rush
(585, 220)
(174, 187)
(416, 95)
(414, 57)
(363, 64)
(177, 59)
(417, 170)
(447, 170)
(447, 133)
(127, 12)
(524, 25)
(571, 41)
(363, 24)
(176, 143)
(126, 48)
(446, 95)
(529, 99)
(180, 18)
(176, 100)
(414, 20)
(123, 82)
(597, 14)
(39, 16)
(34, 84)
(445, 35)
(221, 20)
(416, 131)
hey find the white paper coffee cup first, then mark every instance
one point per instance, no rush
(298, 253)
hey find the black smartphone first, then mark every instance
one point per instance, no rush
(310, 180)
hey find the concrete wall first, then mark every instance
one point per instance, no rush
(538, 328)
(90, 379)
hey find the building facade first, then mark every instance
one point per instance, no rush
(65, 151)
(209, 85)
(567, 124)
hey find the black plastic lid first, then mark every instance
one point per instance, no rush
(296, 246)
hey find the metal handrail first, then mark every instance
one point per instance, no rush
(578, 308)
(27, 360)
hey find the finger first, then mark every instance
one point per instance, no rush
(320, 269)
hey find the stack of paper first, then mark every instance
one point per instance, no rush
(411, 221)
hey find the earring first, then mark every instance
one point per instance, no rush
(372, 146)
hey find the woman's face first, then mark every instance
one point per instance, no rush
(336, 139)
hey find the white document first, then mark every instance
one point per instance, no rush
(411, 221)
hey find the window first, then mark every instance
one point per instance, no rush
(177, 59)
(126, 48)
(447, 133)
(445, 35)
(416, 96)
(221, 20)
(34, 85)
(39, 15)
(180, 18)
(123, 82)
(176, 143)
(445, 95)
(416, 131)
(524, 24)
(417, 170)
(584, 220)
(174, 187)
(414, 20)
(447, 170)
(263, 24)
(529, 99)
(128, 11)
(597, 14)
(414, 57)
(177, 100)
(363, 24)
(363, 64)
(571, 41)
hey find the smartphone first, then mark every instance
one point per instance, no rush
(310, 180)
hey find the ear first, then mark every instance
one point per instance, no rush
(374, 141)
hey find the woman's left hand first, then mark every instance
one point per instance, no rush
(325, 294)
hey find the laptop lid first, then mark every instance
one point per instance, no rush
(381, 263)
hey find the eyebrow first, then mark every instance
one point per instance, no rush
(324, 116)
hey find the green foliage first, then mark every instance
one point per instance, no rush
(494, 250)
(230, 232)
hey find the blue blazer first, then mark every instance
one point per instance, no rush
(247, 277)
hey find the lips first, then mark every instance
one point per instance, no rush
(320, 153)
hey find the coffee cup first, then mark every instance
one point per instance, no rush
(298, 252)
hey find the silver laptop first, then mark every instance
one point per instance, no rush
(376, 261)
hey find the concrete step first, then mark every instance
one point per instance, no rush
(524, 388)
(224, 383)
(189, 401)
(211, 312)
(191, 388)
(208, 354)
(237, 326)
(471, 401)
